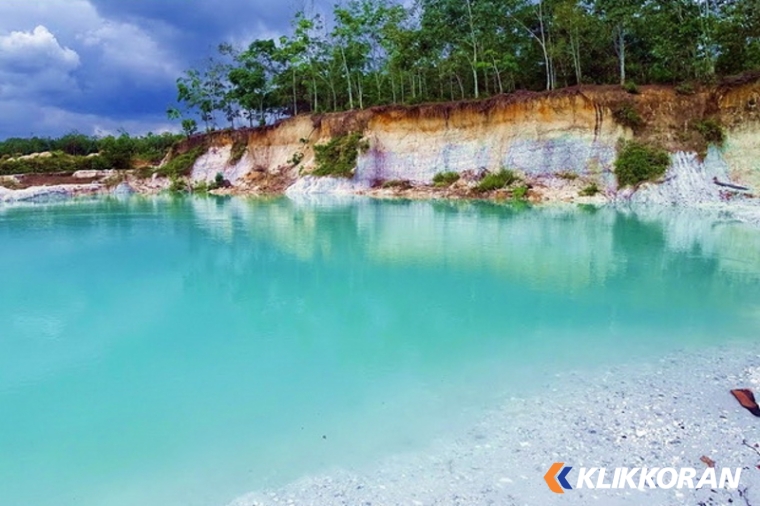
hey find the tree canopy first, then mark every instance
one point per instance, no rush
(376, 52)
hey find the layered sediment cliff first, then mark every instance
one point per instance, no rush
(557, 141)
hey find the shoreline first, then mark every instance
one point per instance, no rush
(746, 210)
(668, 412)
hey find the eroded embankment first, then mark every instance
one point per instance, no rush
(558, 142)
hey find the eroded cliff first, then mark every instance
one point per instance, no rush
(571, 136)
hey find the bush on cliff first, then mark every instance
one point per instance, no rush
(338, 157)
(638, 162)
(712, 131)
(238, 151)
(497, 180)
(627, 115)
(631, 87)
(444, 179)
(590, 190)
(181, 165)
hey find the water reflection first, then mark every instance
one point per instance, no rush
(189, 338)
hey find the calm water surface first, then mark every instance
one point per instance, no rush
(169, 352)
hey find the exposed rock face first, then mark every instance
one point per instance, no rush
(46, 193)
(569, 132)
(688, 181)
(312, 185)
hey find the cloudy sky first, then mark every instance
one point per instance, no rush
(99, 65)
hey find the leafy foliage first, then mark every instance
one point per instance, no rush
(75, 151)
(590, 190)
(638, 162)
(178, 185)
(627, 115)
(376, 52)
(150, 147)
(181, 165)
(631, 87)
(443, 179)
(520, 193)
(712, 131)
(338, 156)
(496, 181)
(238, 151)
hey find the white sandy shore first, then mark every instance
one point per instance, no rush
(667, 414)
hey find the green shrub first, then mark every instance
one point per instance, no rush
(201, 187)
(520, 193)
(218, 180)
(497, 180)
(338, 156)
(181, 165)
(296, 159)
(178, 185)
(627, 115)
(590, 190)
(238, 151)
(443, 179)
(401, 184)
(630, 87)
(685, 89)
(712, 131)
(638, 162)
(145, 172)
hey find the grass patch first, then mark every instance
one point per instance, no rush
(401, 184)
(338, 157)
(497, 180)
(627, 115)
(181, 165)
(520, 193)
(445, 179)
(638, 162)
(238, 151)
(712, 131)
(590, 190)
(178, 185)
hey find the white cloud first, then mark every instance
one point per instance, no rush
(35, 50)
(129, 48)
(34, 63)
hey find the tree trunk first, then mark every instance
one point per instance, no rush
(348, 79)
(295, 97)
(474, 49)
(498, 76)
(621, 52)
(360, 91)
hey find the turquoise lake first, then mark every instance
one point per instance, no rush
(167, 352)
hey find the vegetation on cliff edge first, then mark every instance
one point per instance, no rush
(378, 52)
(638, 162)
(338, 156)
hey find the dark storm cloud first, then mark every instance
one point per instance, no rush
(98, 65)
